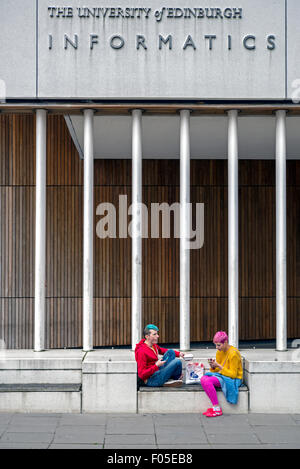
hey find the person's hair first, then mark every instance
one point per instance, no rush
(220, 337)
(149, 328)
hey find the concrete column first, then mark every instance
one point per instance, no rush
(136, 296)
(40, 231)
(88, 230)
(233, 229)
(184, 230)
(281, 301)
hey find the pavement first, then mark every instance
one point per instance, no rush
(150, 431)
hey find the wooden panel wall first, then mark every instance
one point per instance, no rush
(112, 266)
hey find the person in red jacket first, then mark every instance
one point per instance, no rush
(153, 368)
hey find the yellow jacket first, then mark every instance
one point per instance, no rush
(233, 367)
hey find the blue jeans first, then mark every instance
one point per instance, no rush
(170, 370)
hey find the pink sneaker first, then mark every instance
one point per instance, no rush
(213, 413)
(208, 410)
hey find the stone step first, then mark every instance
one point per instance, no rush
(40, 387)
(40, 397)
(187, 399)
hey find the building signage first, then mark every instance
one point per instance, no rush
(144, 12)
(118, 42)
(149, 50)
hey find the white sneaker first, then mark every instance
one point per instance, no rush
(174, 383)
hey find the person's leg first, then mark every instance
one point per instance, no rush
(177, 372)
(155, 379)
(171, 369)
(209, 383)
(168, 357)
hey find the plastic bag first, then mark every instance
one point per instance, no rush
(194, 372)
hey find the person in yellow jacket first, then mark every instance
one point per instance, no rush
(226, 371)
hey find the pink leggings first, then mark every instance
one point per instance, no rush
(209, 383)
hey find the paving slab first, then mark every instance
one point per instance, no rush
(136, 440)
(6, 418)
(241, 446)
(24, 445)
(117, 446)
(191, 417)
(172, 435)
(31, 420)
(127, 415)
(214, 428)
(127, 428)
(165, 427)
(279, 434)
(282, 446)
(224, 423)
(177, 419)
(33, 437)
(28, 428)
(3, 428)
(82, 434)
(83, 419)
(232, 438)
(74, 446)
(130, 417)
(227, 419)
(39, 415)
(185, 446)
(271, 419)
(296, 419)
(149, 431)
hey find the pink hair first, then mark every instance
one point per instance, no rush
(220, 337)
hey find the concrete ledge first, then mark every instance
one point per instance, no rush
(273, 379)
(55, 376)
(109, 382)
(37, 387)
(186, 399)
(50, 382)
(53, 366)
(184, 388)
(41, 402)
(47, 381)
(49, 359)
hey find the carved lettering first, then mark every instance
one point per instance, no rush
(162, 40)
(246, 40)
(144, 12)
(67, 41)
(271, 42)
(140, 41)
(210, 39)
(117, 42)
(189, 42)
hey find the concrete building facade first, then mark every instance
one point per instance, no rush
(113, 113)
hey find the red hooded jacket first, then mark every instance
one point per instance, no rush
(146, 359)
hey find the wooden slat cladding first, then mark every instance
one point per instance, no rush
(112, 267)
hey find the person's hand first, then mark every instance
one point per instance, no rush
(181, 354)
(160, 362)
(212, 363)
